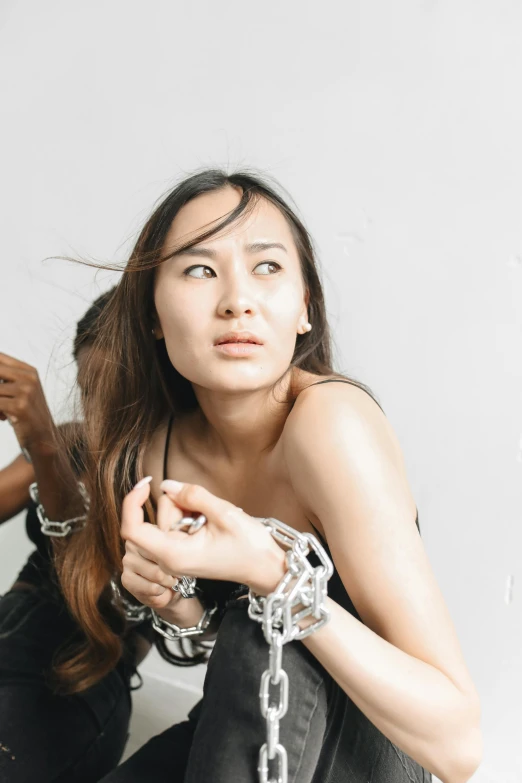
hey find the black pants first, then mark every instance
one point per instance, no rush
(46, 738)
(328, 739)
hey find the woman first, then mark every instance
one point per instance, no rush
(380, 692)
(47, 736)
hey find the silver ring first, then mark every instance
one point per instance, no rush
(186, 586)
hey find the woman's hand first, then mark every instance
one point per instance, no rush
(146, 581)
(142, 576)
(232, 546)
(23, 404)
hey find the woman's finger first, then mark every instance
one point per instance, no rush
(13, 363)
(193, 497)
(146, 592)
(166, 548)
(168, 513)
(148, 570)
(8, 387)
(132, 516)
(130, 546)
(8, 405)
(141, 587)
(10, 374)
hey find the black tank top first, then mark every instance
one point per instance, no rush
(336, 589)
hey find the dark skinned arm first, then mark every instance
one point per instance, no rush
(14, 487)
(23, 404)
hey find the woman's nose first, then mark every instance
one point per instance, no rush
(238, 297)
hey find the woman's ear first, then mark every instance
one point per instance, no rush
(303, 319)
(157, 331)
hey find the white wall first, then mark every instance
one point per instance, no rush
(396, 127)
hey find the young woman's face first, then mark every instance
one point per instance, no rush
(245, 279)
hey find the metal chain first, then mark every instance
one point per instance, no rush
(186, 586)
(301, 593)
(134, 613)
(60, 529)
(174, 632)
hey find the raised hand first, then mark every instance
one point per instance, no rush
(23, 404)
(232, 546)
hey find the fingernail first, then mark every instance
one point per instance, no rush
(142, 482)
(169, 485)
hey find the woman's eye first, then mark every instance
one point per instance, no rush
(198, 266)
(268, 263)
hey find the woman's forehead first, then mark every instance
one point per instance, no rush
(264, 221)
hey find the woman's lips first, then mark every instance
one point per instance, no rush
(238, 349)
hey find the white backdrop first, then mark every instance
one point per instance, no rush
(396, 127)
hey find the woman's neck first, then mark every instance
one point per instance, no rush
(238, 430)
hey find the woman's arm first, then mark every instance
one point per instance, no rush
(403, 667)
(15, 479)
(23, 404)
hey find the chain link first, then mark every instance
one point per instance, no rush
(301, 593)
(60, 529)
(174, 632)
(134, 613)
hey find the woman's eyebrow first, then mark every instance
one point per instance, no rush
(196, 250)
(256, 247)
(253, 247)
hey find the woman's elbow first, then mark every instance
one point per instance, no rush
(467, 749)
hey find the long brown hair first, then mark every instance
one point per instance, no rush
(129, 387)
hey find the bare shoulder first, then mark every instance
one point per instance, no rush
(325, 409)
(343, 457)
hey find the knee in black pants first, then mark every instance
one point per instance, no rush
(231, 729)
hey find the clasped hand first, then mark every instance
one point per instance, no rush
(231, 546)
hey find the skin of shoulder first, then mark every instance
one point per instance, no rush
(337, 432)
(347, 469)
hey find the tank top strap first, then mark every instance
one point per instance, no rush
(167, 441)
(344, 380)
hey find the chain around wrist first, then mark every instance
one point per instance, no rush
(174, 632)
(271, 571)
(59, 529)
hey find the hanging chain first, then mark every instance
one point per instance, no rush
(301, 593)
